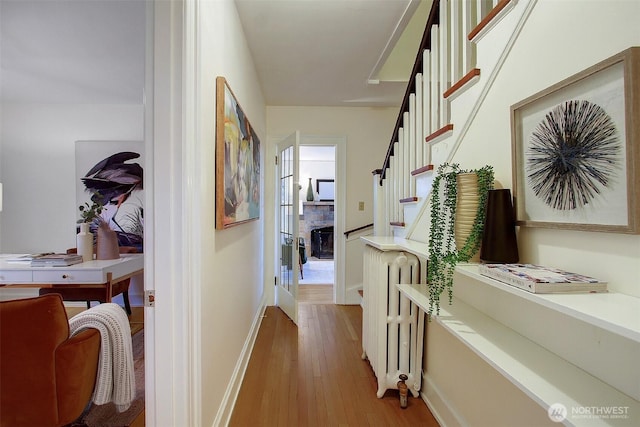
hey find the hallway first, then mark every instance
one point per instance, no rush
(318, 272)
(317, 285)
(314, 375)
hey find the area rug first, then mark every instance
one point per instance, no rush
(317, 273)
(107, 415)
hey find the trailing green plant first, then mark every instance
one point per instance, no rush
(443, 255)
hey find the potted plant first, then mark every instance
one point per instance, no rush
(443, 253)
(91, 212)
(106, 239)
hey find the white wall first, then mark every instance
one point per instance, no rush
(60, 86)
(225, 267)
(229, 262)
(38, 168)
(38, 172)
(316, 162)
(560, 39)
(367, 130)
(535, 63)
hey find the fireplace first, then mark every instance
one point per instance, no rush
(322, 243)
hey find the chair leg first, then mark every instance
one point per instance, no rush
(127, 306)
(88, 305)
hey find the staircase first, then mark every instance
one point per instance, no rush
(496, 355)
(453, 72)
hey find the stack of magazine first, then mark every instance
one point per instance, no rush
(538, 279)
(56, 260)
(24, 258)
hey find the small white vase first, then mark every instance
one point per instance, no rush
(84, 242)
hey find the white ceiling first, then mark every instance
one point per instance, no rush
(324, 52)
(307, 52)
(72, 52)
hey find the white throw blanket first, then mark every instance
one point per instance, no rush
(116, 380)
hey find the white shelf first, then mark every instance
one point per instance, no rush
(613, 312)
(390, 243)
(539, 373)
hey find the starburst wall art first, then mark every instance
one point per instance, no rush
(575, 154)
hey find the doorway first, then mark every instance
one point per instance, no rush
(317, 166)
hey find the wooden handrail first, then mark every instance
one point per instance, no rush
(434, 19)
(364, 227)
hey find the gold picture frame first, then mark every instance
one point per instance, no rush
(576, 153)
(237, 162)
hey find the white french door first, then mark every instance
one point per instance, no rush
(288, 226)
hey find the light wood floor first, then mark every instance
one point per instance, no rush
(313, 375)
(315, 294)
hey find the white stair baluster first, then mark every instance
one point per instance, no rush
(388, 184)
(468, 48)
(396, 181)
(405, 158)
(419, 118)
(426, 104)
(445, 58)
(456, 41)
(378, 205)
(412, 144)
(399, 173)
(434, 78)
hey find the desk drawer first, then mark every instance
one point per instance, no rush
(75, 276)
(15, 276)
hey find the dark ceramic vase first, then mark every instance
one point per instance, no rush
(499, 244)
(309, 192)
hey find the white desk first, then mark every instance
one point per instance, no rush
(100, 274)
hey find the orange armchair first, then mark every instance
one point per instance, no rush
(46, 377)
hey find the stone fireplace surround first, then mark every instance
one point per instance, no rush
(315, 215)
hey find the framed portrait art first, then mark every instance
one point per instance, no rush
(576, 153)
(237, 162)
(326, 189)
(112, 173)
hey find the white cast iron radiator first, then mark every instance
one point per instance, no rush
(392, 327)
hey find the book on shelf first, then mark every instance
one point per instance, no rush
(542, 280)
(56, 260)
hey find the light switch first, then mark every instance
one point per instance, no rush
(360, 206)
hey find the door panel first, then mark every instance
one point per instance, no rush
(288, 225)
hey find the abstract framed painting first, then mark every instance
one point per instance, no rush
(575, 150)
(237, 162)
(112, 172)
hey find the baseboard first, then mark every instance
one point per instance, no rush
(439, 405)
(223, 417)
(352, 296)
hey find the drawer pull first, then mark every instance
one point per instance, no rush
(65, 276)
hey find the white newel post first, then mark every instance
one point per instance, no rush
(379, 204)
